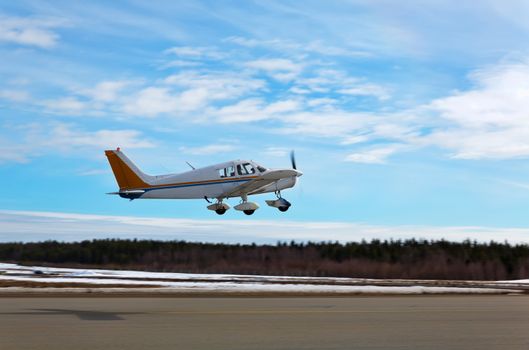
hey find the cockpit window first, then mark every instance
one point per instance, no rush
(245, 169)
(227, 172)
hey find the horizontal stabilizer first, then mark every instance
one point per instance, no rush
(130, 194)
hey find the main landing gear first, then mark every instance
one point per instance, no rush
(249, 208)
(246, 207)
(219, 207)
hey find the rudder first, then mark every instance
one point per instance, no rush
(127, 175)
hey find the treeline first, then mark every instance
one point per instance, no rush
(375, 259)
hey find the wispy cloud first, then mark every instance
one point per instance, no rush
(280, 69)
(34, 140)
(29, 31)
(293, 87)
(195, 52)
(39, 226)
(490, 119)
(14, 95)
(208, 149)
(63, 136)
(276, 151)
(373, 156)
(282, 46)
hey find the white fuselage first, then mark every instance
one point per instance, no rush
(210, 182)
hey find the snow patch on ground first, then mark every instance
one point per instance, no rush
(185, 283)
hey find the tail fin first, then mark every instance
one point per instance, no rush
(128, 176)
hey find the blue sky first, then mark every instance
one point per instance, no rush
(402, 114)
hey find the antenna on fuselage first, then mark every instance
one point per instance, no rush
(192, 167)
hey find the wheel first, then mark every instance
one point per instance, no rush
(220, 211)
(283, 209)
(248, 212)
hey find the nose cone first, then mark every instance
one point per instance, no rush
(298, 173)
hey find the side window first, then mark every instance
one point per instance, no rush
(227, 172)
(241, 170)
(245, 169)
(249, 168)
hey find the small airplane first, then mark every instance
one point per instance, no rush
(236, 178)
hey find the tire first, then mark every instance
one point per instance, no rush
(248, 212)
(220, 211)
(283, 209)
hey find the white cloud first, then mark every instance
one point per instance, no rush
(488, 120)
(106, 91)
(173, 95)
(14, 152)
(38, 226)
(180, 64)
(328, 81)
(324, 101)
(521, 185)
(219, 85)
(254, 109)
(281, 69)
(92, 172)
(284, 106)
(33, 140)
(14, 95)
(105, 96)
(249, 110)
(29, 31)
(66, 105)
(272, 43)
(319, 47)
(195, 52)
(280, 152)
(152, 101)
(373, 156)
(354, 139)
(280, 45)
(333, 123)
(366, 89)
(491, 120)
(64, 137)
(208, 149)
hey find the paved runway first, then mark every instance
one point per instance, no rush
(407, 322)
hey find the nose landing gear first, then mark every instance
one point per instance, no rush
(280, 203)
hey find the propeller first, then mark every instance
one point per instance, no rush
(294, 166)
(293, 160)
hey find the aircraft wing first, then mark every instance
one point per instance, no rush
(261, 181)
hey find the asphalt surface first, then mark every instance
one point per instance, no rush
(405, 322)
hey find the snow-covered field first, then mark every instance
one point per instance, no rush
(16, 278)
